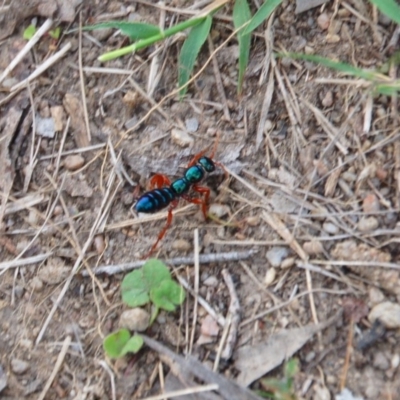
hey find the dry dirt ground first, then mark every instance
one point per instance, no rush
(308, 216)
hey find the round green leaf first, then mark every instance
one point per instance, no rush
(134, 289)
(134, 344)
(167, 295)
(114, 343)
(154, 272)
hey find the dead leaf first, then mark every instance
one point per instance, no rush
(8, 128)
(254, 361)
(75, 110)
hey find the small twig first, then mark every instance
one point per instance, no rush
(203, 259)
(234, 311)
(219, 318)
(43, 67)
(227, 389)
(196, 287)
(349, 349)
(82, 80)
(26, 49)
(218, 80)
(105, 366)
(184, 392)
(56, 368)
(24, 261)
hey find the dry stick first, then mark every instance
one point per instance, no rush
(265, 108)
(43, 67)
(234, 311)
(82, 80)
(74, 269)
(26, 49)
(105, 366)
(56, 368)
(203, 259)
(184, 392)
(218, 80)
(348, 354)
(227, 389)
(196, 286)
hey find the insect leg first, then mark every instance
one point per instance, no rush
(159, 181)
(204, 202)
(164, 230)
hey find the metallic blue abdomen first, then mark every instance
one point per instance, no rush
(155, 200)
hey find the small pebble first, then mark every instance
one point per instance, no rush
(219, 210)
(33, 217)
(181, 138)
(276, 254)
(380, 361)
(131, 98)
(371, 203)
(192, 124)
(99, 244)
(135, 319)
(211, 281)
(36, 284)
(270, 276)
(388, 313)
(19, 366)
(323, 21)
(253, 220)
(74, 162)
(327, 101)
(209, 326)
(313, 248)
(395, 361)
(367, 224)
(57, 113)
(181, 245)
(375, 296)
(288, 263)
(330, 228)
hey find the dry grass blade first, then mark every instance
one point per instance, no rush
(27, 48)
(43, 67)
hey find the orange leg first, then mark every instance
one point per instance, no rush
(163, 232)
(204, 202)
(159, 181)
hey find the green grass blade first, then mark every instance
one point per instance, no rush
(336, 65)
(388, 7)
(261, 15)
(190, 51)
(134, 30)
(241, 16)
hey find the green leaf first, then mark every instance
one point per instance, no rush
(134, 30)
(190, 50)
(55, 33)
(337, 65)
(388, 7)
(29, 32)
(137, 284)
(261, 15)
(135, 291)
(154, 272)
(167, 295)
(119, 343)
(241, 15)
